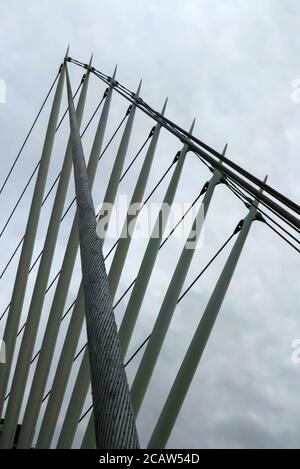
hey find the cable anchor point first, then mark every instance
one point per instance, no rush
(238, 227)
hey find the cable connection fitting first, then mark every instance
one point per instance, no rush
(138, 100)
(239, 227)
(212, 170)
(204, 188)
(222, 179)
(129, 110)
(152, 132)
(259, 217)
(105, 93)
(177, 156)
(82, 79)
(183, 141)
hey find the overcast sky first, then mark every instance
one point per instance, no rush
(231, 66)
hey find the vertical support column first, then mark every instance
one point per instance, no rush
(112, 188)
(62, 373)
(114, 421)
(59, 300)
(193, 356)
(89, 436)
(38, 295)
(69, 348)
(145, 270)
(74, 410)
(163, 320)
(119, 258)
(20, 285)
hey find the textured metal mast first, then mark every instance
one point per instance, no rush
(163, 320)
(191, 360)
(38, 295)
(69, 348)
(145, 270)
(114, 421)
(19, 289)
(52, 328)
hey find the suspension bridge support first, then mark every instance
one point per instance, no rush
(112, 188)
(160, 329)
(18, 294)
(66, 359)
(38, 295)
(56, 312)
(74, 410)
(119, 258)
(88, 441)
(194, 353)
(145, 270)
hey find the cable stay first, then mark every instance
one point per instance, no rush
(29, 132)
(31, 178)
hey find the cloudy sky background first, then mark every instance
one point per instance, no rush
(230, 65)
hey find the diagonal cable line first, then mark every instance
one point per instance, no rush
(80, 352)
(29, 133)
(281, 236)
(85, 413)
(136, 156)
(29, 181)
